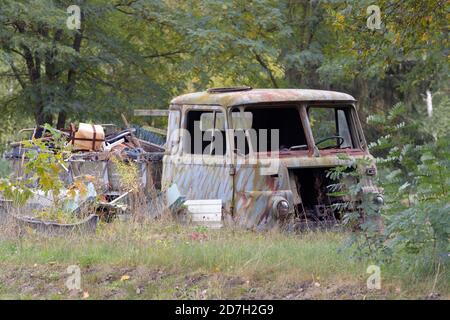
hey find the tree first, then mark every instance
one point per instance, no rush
(399, 62)
(99, 71)
(140, 53)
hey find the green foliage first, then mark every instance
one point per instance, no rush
(414, 170)
(43, 170)
(138, 54)
(5, 168)
(42, 166)
(359, 212)
(417, 214)
(16, 191)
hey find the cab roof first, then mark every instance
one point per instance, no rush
(229, 97)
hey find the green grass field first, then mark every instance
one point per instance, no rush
(163, 260)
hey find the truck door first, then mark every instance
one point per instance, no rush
(200, 168)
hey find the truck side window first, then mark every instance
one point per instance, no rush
(206, 132)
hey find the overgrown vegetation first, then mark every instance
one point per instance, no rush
(131, 183)
(43, 172)
(137, 54)
(164, 260)
(415, 178)
(363, 217)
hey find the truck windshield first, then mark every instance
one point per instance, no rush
(331, 127)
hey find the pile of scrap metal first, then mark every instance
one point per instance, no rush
(93, 148)
(98, 142)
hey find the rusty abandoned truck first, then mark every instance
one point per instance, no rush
(262, 154)
(263, 184)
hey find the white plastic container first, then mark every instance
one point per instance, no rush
(206, 213)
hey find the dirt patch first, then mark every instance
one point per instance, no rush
(47, 281)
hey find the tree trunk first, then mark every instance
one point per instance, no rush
(61, 122)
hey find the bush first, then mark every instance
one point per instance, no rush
(414, 170)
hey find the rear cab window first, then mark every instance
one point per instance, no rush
(268, 129)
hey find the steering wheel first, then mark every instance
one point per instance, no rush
(340, 141)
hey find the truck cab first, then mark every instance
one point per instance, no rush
(266, 153)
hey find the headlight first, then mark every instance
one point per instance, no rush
(281, 208)
(371, 171)
(378, 200)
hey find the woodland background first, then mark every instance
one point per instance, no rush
(138, 54)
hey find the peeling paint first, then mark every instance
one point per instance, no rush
(248, 195)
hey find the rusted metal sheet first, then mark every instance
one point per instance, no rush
(105, 173)
(259, 189)
(254, 191)
(248, 190)
(151, 112)
(85, 226)
(229, 99)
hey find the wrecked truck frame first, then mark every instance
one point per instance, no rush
(264, 187)
(264, 153)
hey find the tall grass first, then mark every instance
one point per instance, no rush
(274, 259)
